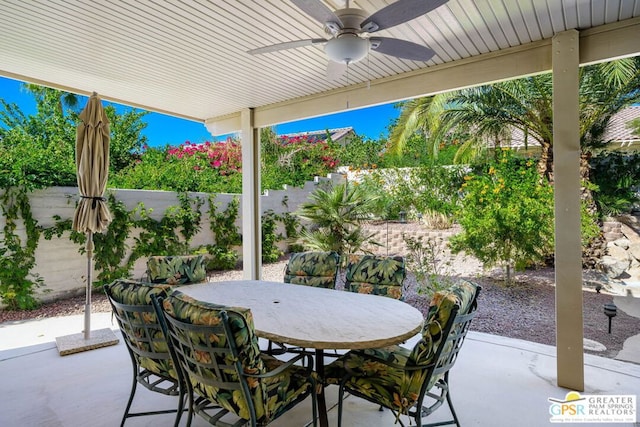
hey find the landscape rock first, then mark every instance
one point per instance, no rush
(622, 243)
(593, 345)
(634, 250)
(614, 267)
(618, 252)
(622, 235)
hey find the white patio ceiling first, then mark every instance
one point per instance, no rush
(188, 58)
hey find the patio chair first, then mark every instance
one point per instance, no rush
(412, 382)
(318, 269)
(225, 371)
(152, 364)
(176, 270)
(313, 269)
(377, 275)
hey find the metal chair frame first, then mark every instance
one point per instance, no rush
(136, 330)
(454, 333)
(183, 348)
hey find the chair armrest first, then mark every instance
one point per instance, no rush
(285, 366)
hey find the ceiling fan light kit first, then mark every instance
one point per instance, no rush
(349, 30)
(347, 48)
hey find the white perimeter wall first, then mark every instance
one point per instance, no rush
(64, 269)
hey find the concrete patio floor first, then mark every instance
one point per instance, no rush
(497, 381)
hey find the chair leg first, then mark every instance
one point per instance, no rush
(190, 402)
(314, 405)
(133, 392)
(340, 399)
(181, 401)
(453, 412)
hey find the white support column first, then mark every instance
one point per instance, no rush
(251, 230)
(568, 250)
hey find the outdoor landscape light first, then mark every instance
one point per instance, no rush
(347, 48)
(402, 216)
(610, 310)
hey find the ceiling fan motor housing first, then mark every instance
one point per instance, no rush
(347, 46)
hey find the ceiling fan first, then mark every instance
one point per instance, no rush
(349, 30)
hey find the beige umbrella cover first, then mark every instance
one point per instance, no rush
(92, 162)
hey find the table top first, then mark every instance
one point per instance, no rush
(312, 317)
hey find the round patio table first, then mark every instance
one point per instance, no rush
(318, 318)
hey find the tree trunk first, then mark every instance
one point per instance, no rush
(586, 195)
(545, 164)
(596, 248)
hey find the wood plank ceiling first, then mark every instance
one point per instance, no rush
(188, 58)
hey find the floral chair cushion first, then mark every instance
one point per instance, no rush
(141, 329)
(312, 269)
(380, 374)
(271, 395)
(377, 275)
(176, 270)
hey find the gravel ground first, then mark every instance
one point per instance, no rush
(524, 310)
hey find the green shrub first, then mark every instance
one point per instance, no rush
(110, 251)
(218, 258)
(617, 176)
(38, 151)
(416, 190)
(358, 152)
(17, 254)
(506, 215)
(170, 235)
(270, 237)
(222, 254)
(294, 160)
(427, 262)
(208, 168)
(223, 224)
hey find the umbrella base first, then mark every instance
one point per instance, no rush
(75, 343)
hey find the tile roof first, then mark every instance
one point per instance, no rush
(336, 134)
(619, 130)
(617, 133)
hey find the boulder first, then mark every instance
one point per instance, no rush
(634, 250)
(618, 252)
(622, 243)
(614, 267)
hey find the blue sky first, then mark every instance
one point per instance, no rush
(162, 129)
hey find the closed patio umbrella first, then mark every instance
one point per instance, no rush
(92, 214)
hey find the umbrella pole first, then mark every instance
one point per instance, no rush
(87, 302)
(75, 343)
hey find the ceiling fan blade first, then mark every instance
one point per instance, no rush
(401, 48)
(397, 13)
(335, 70)
(319, 11)
(285, 45)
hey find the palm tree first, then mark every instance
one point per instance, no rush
(492, 112)
(61, 99)
(336, 215)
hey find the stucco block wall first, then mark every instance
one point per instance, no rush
(391, 237)
(64, 269)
